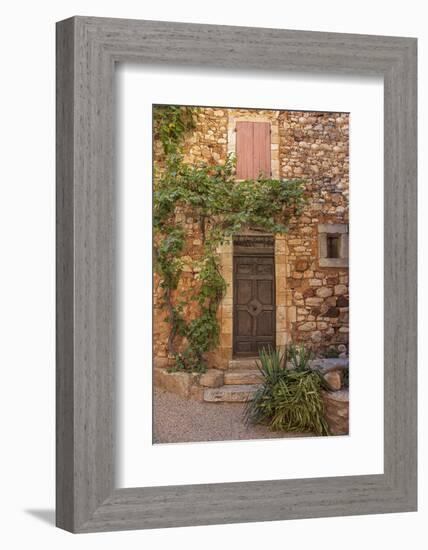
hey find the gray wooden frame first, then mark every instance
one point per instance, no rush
(87, 50)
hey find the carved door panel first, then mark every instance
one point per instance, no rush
(254, 304)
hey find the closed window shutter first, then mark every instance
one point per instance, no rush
(261, 159)
(253, 150)
(244, 150)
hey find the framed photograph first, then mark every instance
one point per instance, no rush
(236, 274)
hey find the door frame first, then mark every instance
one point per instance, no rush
(263, 245)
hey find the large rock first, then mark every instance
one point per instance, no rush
(301, 265)
(333, 379)
(337, 411)
(340, 290)
(332, 312)
(324, 292)
(342, 301)
(162, 362)
(306, 327)
(213, 378)
(175, 382)
(315, 301)
(316, 336)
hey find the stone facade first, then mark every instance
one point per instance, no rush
(312, 295)
(315, 147)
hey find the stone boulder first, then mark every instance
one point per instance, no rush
(333, 379)
(212, 378)
(337, 411)
(180, 383)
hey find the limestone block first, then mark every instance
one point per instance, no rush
(175, 382)
(333, 379)
(280, 270)
(212, 378)
(342, 302)
(223, 356)
(324, 292)
(226, 340)
(306, 327)
(301, 265)
(232, 393)
(315, 301)
(161, 362)
(226, 312)
(339, 290)
(308, 292)
(316, 336)
(337, 411)
(281, 338)
(226, 325)
(332, 312)
(242, 376)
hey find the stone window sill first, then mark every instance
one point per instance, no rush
(333, 262)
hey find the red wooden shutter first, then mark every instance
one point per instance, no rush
(253, 150)
(244, 150)
(261, 155)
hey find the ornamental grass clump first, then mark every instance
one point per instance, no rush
(289, 399)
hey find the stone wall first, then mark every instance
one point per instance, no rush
(315, 146)
(312, 301)
(207, 143)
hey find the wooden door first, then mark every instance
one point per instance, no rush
(253, 305)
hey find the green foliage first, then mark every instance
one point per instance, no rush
(167, 257)
(171, 122)
(298, 405)
(212, 286)
(299, 356)
(272, 366)
(289, 399)
(188, 360)
(222, 207)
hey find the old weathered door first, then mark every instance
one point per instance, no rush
(254, 304)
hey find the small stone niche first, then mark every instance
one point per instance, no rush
(333, 244)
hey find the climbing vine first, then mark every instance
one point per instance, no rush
(221, 206)
(171, 122)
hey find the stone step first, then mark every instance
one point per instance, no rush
(242, 376)
(246, 364)
(231, 393)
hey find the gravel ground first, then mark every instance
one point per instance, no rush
(178, 420)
